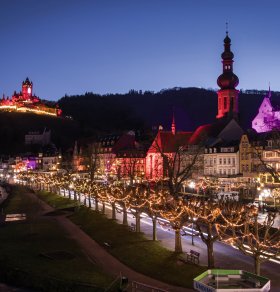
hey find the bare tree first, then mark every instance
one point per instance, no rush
(137, 202)
(179, 165)
(259, 241)
(173, 210)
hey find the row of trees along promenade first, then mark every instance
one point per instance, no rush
(226, 220)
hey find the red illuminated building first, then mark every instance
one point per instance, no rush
(167, 143)
(227, 81)
(25, 101)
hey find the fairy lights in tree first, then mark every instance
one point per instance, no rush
(259, 241)
(227, 220)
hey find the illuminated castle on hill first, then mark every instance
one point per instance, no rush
(25, 101)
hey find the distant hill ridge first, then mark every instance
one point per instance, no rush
(136, 110)
(192, 107)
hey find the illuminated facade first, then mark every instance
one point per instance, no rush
(221, 160)
(117, 156)
(130, 164)
(166, 143)
(268, 117)
(25, 101)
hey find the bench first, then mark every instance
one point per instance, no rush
(132, 227)
(107, 244)
(190, 257)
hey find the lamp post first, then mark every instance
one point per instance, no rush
(193, 220)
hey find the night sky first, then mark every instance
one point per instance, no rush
(70, 47)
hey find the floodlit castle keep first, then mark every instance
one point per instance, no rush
(25, 101)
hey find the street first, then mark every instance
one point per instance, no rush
(226, 256)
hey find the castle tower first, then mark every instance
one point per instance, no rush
(27, 88)
(227, 95)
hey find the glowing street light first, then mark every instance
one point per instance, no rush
(193, 220)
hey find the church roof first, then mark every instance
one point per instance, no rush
(221, 130)
(169, 142)
(208, 131)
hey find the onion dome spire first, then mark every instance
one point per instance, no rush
(227, 80)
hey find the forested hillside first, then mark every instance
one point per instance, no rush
(93, 114)
(137, 109)
(13, 127)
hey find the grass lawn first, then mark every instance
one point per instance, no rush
(131, 248)
(37, 253)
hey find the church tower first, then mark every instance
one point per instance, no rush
(227, 95)
(27, 88)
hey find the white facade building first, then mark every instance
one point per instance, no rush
(221, 161)
(40, 138)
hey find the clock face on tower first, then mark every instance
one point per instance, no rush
(29, 90)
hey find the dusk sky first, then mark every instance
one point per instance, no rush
(70, 47)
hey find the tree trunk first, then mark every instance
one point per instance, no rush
(210, 254)
(137, 220)
(64, 193)
(154, 219)
(69, 194)
(96, 204)
(114, 211)
(79, 196)
(89, 201)
(125, 216)
(257, 265)
(103, 208)
(75, 196)
(178, 242)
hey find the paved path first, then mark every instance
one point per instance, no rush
(6, 288)
(225, 255)
(100, 256)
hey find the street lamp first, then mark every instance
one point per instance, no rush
(193, 220)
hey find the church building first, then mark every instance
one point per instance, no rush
(268, 117)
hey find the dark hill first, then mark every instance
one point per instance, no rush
(93, 114)
(192, 106)
(13, 127)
